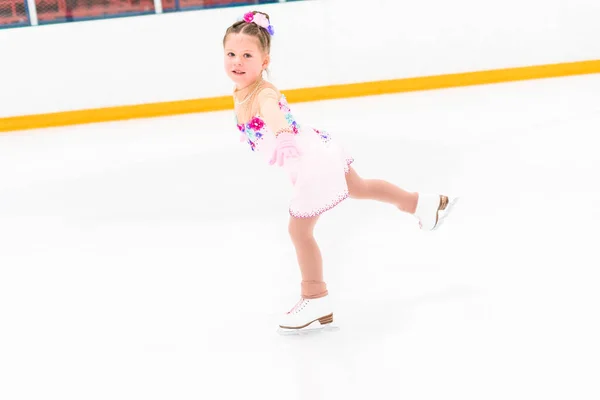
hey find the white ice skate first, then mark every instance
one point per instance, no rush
(308, 315)
(432, 209)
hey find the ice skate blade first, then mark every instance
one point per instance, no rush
(444, 213)
(314, 328)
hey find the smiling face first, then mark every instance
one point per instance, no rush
(245, 60)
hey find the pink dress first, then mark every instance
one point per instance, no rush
(319, 174)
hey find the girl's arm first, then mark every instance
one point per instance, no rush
(271, 113)
(285, 148)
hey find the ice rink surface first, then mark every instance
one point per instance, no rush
(150, 259)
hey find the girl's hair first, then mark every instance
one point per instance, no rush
(252, 29)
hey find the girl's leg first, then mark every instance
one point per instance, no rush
(377, 189)
(309, 257)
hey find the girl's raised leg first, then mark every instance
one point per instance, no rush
(384, 191)
(430, 209)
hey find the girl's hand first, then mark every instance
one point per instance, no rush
(285, 148)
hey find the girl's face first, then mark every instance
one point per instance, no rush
(244, 59)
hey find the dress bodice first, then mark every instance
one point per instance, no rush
(256, 129)
(258, 134)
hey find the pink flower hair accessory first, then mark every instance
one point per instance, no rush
(248, 17)
(260, 20)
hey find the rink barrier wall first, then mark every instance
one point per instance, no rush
(222, 103)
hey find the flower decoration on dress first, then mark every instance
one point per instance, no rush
(256, 124)
(284, 107)
(324, 135)
(260, 20)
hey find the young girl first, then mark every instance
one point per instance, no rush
(317, 165)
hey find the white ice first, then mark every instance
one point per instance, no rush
(150, 259)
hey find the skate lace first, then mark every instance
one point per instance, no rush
(297, 306)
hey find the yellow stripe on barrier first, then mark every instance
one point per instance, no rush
(301, 95)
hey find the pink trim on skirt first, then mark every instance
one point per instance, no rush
(341, 197)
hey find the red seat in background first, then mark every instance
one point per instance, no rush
(12, 12)
(183, 4)
(51, 10)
